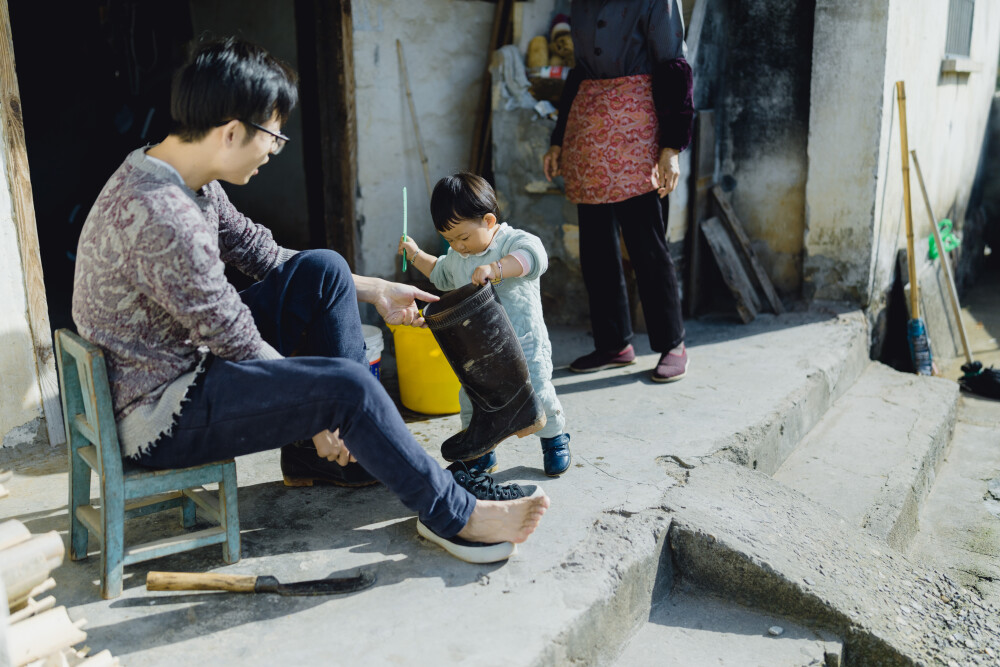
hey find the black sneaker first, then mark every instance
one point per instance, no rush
(484, 487)
(302, 466)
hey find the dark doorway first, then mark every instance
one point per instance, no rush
(94, 79)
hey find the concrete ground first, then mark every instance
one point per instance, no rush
(960, 522)
(597, 570)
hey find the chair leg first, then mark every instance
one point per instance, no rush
(79, 494)
(230, 514)
(189, 512)
(113, 549)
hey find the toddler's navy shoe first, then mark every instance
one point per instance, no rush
(485, 464)
(555, 454)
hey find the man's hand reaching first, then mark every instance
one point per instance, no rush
(396, 303)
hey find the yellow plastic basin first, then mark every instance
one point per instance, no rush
(426, 382)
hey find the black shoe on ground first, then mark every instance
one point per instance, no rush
(598, 361)
(302, 466)
(484, 487)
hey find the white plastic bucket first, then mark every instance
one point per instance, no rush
(374, 345)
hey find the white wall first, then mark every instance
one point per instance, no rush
(20, 397)
(854, 198)
(946, 115)
(443, 41)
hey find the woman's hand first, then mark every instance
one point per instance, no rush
(667, 172)
(483, 274)
(409, 246)
(550, 163)
(329, 446)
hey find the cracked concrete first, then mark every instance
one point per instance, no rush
(575, 592)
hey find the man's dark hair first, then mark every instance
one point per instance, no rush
(230, 79)
(462, 196)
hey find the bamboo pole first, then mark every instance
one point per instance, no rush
(413, 114)
(945, 262)
(911, 256)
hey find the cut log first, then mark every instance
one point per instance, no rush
(13, 532)
(26, 565)
(32, 607)
(39, 636)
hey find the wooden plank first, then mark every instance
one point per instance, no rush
(329, 122)
(501, 34)
(703, 168)
(736, 229)
(174, 544)
(726, 256)
(19, 183)
(207, 501)
(90, 516)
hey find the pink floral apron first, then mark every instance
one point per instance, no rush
(611, 142)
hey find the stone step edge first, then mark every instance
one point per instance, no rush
(893, 514)
(766, 444)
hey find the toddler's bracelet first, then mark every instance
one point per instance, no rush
(498, 281)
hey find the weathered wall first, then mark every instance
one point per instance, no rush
(848, 75)
(762, 117)
(854, 191)
(445, 60)
(20, 398)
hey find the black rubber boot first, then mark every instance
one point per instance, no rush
(479, 342)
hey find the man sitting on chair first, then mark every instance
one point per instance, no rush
(200, 372)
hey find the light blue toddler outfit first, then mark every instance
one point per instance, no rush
(522, 299)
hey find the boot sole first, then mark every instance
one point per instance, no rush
(311, 481)
(537, 426)
(471, 552)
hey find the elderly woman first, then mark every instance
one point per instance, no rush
(624, 117)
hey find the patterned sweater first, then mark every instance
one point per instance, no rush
(151, 291)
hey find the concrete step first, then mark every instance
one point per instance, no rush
(959, 527)
(693, 628)
(872, 457)
(750, 539)
(576, 591)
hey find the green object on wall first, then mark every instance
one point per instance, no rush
(948, 239)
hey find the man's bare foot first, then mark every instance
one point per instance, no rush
(505, 520)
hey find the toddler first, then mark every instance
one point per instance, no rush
(465, 212)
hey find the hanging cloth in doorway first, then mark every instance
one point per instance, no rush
(612, 140)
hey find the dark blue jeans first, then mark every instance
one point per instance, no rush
(308, 305)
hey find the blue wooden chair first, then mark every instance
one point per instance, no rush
(128, 490)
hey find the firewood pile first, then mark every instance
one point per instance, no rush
(33, 629)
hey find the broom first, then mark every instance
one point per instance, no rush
(985, 382)
(916, 331)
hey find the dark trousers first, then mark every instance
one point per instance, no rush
(644, 230)
(309, 304)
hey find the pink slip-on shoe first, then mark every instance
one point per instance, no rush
(671, 367)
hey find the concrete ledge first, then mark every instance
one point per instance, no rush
(575, 592)
(749, 538)
(873, 456)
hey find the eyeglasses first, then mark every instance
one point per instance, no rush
(279, 139)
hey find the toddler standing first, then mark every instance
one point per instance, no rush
(465, 212)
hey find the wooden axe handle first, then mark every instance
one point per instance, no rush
(200, 581)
